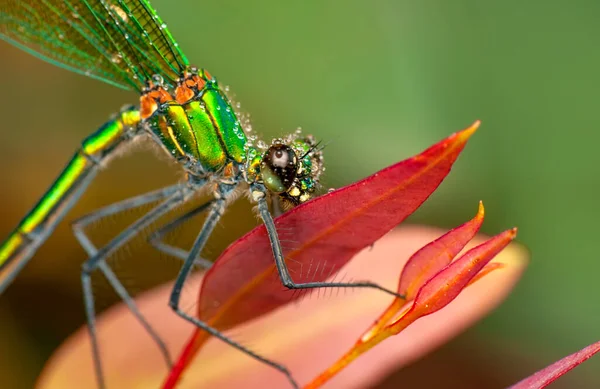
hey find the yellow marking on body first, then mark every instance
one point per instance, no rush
(9, 247)
(172, 135)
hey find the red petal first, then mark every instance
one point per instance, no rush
(546, 376)
(433, 257)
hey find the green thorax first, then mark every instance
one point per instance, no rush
(197, 122)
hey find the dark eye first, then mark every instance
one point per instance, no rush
(278, 168)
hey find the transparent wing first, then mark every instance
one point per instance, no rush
(122, 42)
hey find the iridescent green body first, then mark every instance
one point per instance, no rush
(203, 129)
(78, 170)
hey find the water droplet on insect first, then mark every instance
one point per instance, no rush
(157, 78)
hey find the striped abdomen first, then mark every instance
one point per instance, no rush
(35, 227)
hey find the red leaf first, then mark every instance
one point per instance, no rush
(424, 264)
(546, 376)
(433, 257)
(319, 237)
(325, 233)
(440, 290)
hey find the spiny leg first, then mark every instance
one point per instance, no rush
(156, 239)
(215, 212)
(283, 271)
(98, 261)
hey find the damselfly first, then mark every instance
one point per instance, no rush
(181, 108)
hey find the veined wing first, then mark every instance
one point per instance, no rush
(122, 42)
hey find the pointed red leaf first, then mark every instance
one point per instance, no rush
(546, 376)
(424, 264)
(318, 238)
(440, 290)
(433, 257)
(322, 235)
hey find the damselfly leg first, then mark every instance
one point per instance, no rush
(215, 211)
(282, 268)
(157, 237)
(97, 261)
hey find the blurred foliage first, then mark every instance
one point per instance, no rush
(378, 81)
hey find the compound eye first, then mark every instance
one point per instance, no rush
(278, 168)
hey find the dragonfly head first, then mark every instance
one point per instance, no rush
(289, 167)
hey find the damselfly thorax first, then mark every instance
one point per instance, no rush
(196, 124)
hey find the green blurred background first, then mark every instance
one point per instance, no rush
(380, 80)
